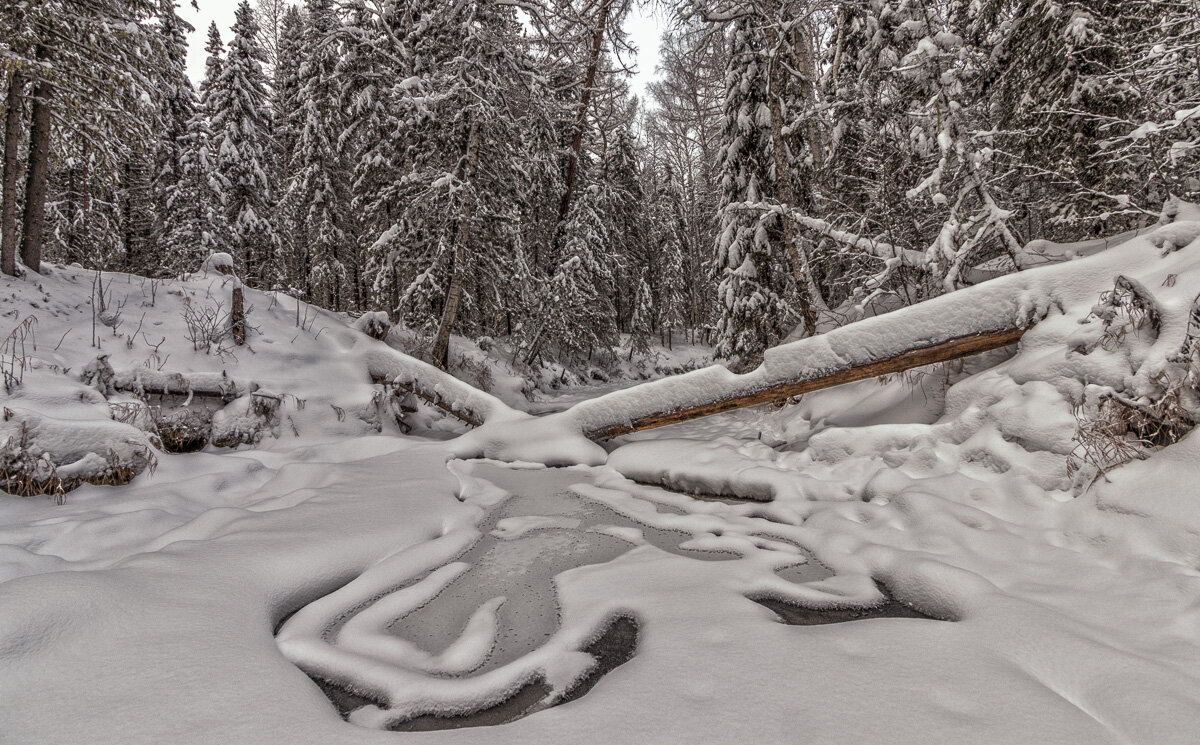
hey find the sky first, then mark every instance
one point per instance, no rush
(643, 27)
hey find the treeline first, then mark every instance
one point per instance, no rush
(480, 166)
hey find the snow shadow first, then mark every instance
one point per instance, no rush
(794, 614)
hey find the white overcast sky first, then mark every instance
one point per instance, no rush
(644, 31)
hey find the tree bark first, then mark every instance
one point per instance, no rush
(585, 101)
(14, 112)
(39, 166)
(783, 183)
(952, 348)
(237, 315)
(787, 195)
(462, 238)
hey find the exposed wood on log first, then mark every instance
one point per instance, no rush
(237, 316)
(951, 349)
(432, 399)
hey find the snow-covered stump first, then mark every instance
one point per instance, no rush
(237, 315)
(222, 263)
(374, 324)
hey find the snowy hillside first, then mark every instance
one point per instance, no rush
(960, 554)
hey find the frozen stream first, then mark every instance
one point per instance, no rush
(471, 634)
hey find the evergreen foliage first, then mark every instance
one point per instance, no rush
(481, 168)
(242, 145)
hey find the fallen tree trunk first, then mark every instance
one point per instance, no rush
(144, 382)
(432, 399)
(951, 349)
(436, 387)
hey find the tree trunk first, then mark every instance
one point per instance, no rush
(39, 166)
(462, 238)
(237, 315)
(585, 100)
(14, 111)
(815, 379)
(787, 195)
(441, 345)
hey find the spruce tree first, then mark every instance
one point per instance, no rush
(319, 192)
(667, 231)
(624, 207)
(641, 325)
(575, 318)
(751, 256)
(287, 125)
(174, 191)
(383, 96)
(90, 68)
(199, 227)
(241, 123)
(1054, 70)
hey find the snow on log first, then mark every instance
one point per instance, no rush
(436, 387)
(143, 381)
(943, 351)
(969, 321)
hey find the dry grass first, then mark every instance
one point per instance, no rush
(14, 353)
(1129, 306)
(1105, 442)
(24, 474)
(182, 430)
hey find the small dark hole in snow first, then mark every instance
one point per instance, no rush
(615, 646)
(520, 704)
(343, 700)
(794, 614)
(724, 497)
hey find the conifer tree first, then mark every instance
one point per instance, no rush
(1053, 68)
(90, 66)
(624, 208)
(198, 223)
(641, 325)
(319, 192)
(287, 125)
(576, 318)
(174, 191)
(750, 252)
(241, 123)
(667, 231)
(380, 123)
(453, 206)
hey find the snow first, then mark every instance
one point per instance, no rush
(218, 263)
(188, 605)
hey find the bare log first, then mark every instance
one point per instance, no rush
(944, 351)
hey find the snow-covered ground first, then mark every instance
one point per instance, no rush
(194, 604)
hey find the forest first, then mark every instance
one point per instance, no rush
(437, 366)
(481, 167)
